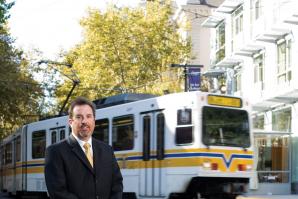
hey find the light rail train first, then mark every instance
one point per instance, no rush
(181, 145)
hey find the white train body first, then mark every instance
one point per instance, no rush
(177, 145)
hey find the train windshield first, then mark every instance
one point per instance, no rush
(225, 127)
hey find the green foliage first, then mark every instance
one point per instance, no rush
(19, 92)
(128, 50)
(4, 7)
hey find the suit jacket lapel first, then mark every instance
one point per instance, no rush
(77, 150)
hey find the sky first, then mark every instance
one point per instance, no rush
(52, 25)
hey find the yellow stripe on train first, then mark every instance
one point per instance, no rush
(184, 162)
(226, 160)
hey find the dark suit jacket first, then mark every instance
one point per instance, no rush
(69, 174)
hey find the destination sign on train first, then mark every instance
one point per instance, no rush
(224, 101)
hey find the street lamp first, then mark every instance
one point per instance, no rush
(73, 77)
(185, 68)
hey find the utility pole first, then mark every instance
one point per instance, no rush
(185, 71)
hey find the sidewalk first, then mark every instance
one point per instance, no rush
(269, 197)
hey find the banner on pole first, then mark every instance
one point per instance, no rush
(194, 79)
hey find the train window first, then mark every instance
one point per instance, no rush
(146, 138)
(184, 116)
(184, 135)
(18, 149)
(62, 134)
(123, 133)
(160, 136)
(38, 144)
(8, 153)
(225, 127)
(101, 130)
(54, 137)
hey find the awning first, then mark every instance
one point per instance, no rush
(273, 35)
(266, 132)
(292, 19)
(214, 72)
(212, 21)
(229, 62)
(264, 106)
(249, 50)
(278, 100)
(229, 6)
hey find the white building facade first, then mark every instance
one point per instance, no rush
(192, 15)
(256, 43)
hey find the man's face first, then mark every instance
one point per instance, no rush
(82, 122)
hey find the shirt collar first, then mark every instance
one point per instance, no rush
(81, 142)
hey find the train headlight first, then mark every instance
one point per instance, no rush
(249, 167)
(206, 165)
(210, 165)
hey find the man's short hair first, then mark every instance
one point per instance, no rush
(81, 101)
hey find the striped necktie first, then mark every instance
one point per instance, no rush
(88, 153)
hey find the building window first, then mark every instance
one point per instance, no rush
(220, 42)
(258, 9)
(259, 122)
(38, 144)
(237, 81)
(259, 68)
(281, 120)
(284, 56)
(273, 158)
(238, 21)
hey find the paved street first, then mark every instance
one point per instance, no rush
(5, 196)
(269, 197)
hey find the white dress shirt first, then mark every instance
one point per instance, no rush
(81, 143)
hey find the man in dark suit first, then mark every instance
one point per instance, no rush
(81, 167)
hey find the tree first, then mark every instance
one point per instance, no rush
(127, 50)
(19, 92)
(4, 15)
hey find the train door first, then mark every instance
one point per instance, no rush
(1, 166)
(16, 144)
(152, 172)
(57, 134)
(24, 157)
